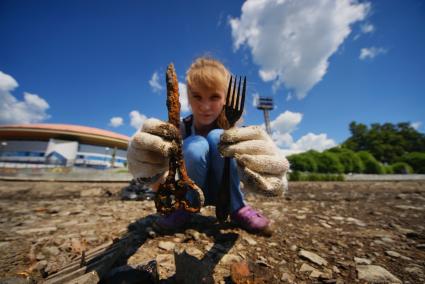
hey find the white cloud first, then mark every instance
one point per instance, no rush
(367, 28)
(292, 41)
(154, 83)
(286, 122)
(184, 103)
(137, 119)
(371, 52)
(31, 110)
(311, 141)
(416, 124)
(116, 121)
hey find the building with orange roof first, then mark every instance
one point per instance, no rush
(61, 144)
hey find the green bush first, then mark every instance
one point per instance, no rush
(388, 169)
(328, 162)
(416, 160)
(302, 162)
(401, 168)
(348, 159)
(371, 165)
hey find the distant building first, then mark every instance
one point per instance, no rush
(38, 145)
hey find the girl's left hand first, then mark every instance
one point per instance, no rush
(262, 165)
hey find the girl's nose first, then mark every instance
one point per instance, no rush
(205, 106)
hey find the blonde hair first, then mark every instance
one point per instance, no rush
(207, 72)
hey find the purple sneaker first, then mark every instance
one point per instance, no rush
(251, 220)
(176, 220)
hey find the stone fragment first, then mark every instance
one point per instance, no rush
(166, 245)
(249, 240)
(31, 231)
(312, 257)
(360, 260)
(50, 251)
(355, 221)
(375, 274)
(287, 278)
(92, 192)
(239, 272)
(414, 269)
(230, 258)
(306, 268)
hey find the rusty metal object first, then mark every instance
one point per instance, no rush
(172, 194)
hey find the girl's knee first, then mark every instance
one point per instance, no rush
(213, 136)
(195, 148)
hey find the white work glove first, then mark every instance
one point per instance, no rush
(261, 165)
(149, 149)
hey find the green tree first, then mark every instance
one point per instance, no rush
(371, 165)
(401, 168)
(386, 142)
(416, 160)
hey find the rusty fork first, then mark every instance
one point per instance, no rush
(233, 110)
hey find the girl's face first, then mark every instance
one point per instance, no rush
(206, 105)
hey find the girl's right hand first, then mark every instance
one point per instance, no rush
(149, 150)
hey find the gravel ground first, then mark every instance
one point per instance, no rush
(324, 232)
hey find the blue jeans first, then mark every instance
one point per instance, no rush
(205, 167)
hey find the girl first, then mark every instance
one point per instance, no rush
(206, 141)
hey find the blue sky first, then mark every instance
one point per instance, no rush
(325, 63)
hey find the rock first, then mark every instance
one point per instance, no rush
(287, 278)
(194, 234)
(41, 265)
(375, 274)
(50, 251)
(312, 257)
(300, 217)
(249, 240)
(387, 240)
(168, 246)
(239, 272)
(88, 278)
(414, 269)
(293, 248)
(195, 252)
(92, 192)
(420, 246)
(230, 258)
(44, 230)
(315, 274)
(355, 221)
(360, 260)
(306, 268)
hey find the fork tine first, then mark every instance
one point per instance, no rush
(243, 92)
(228, 91)
(234, 93)
(238, 97)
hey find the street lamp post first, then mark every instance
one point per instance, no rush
(266, 104)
